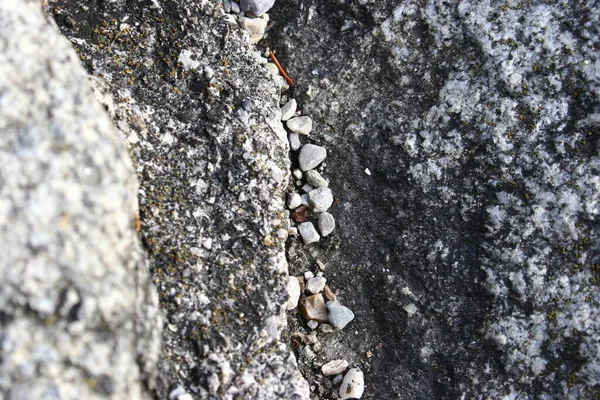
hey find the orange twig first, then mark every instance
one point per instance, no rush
(280, 68)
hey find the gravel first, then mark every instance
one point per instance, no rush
(339, 315)
(294, 140)
(301, 125)
(294, 200)
(288, 110)
(255, 28)
(316, 284)
(311, 156)
(326, 223)
(353, 384)
(308, 232)
(315, 179)
(334, 367)
(256, 7)
(293, 290)
(320, 199)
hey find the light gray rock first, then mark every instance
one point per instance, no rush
(334, 367)
(288, 110)
(308, 232)
(297, 173)
(294, 140)
(311, 156)
(256, 7)
(339, 315)
(255, 28)
(305, 199)
(320, 199)
(316, 284)
(306, 188)
(300, 125)
(353, 385)
(76, 299)
(235, 7)
(294, 200)
(326, 223)
(293, 290)
(312, 324)
(315, 179)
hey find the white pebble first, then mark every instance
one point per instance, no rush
(316, 284)
(294, 140)
(294, 201)
(297, 173)
(312, 324)
(320, 199)
(326, 223)
(307, 188)
(288, 110)
(308, 275)
(301, 125)
(311, 156)
(353, 385)
(293, 290)
(334, 367)
(308, 232)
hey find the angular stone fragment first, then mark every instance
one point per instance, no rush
(326, 223)
(311, 156)
(294, 200)
(308, 232)
(316, 284)
(334, 367)
(288, 110)
(314, 179)
(320, 199)
(255, 28)
(353, 385)
(293, 290)
(256, 7)
(313, 308)
(339, 316)
(300, 125)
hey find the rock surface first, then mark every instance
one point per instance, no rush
(478, 123)
(79, 314)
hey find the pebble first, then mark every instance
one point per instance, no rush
(254, 26)
(308, 232)
(334, 367)
(301, 125)
(320, 199)
(304, 198)
(312, 324)
(293, 290)
(311, 156)
(235, 7)
(308, 353)
(315, 179)
(326, 223)
(294, 200)
(353, 385)
(307, 188)
(325, 328)
(338, 379)
(313, 308)
(316, 284)
(339, 316)
(294, 140)
(297, 173)
(308, 275)
(256, 7)
(292, 231)
(288, 110)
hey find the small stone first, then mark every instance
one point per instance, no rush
(315, 179)
(301, 125)
(325, 328)
(256, 7)
(297, 173)
(329, 295)
(288, 110)
(307, 188)
(320, 199)
(292, 231)
(339, 316)
(313, 308)
(254, 26)
(353, 385)
(227, 6)
(311, 156)
(312, 324)
(282, 234)
(294, 200)
(326, 223)
(305, 200)
(321, 264)
(315, 285)
(308, 275)
(301, 281)
(338, 379)
(334, 367)
(235, 7)
(293, 290)
(294, 140)
(308, 232)
(308, 353)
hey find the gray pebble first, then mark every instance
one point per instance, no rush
(294, 201)
(294, 140)
(339, 316)
(305, 201)
(306, 188)
(235, 7)
(301, 125)
(338, 379)
(288, 110)
(325, 328)
(256, 7)
(320, 199)
(227, 6)
(308, 232)
(312, 324)
(316, 284)
(297, 173)
(311, 156)
(315, 179)
(326, 223)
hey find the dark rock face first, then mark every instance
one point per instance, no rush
(469, 254)
(79, 316)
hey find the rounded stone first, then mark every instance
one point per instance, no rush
(288, 110)
(293, 290)
(313, 178)
(320, 199)
(256, 7)
(311, 156)
(353, 385)
(326, 223)
(308, 232)
(294, 200)
(300, 125)
(334, 367)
